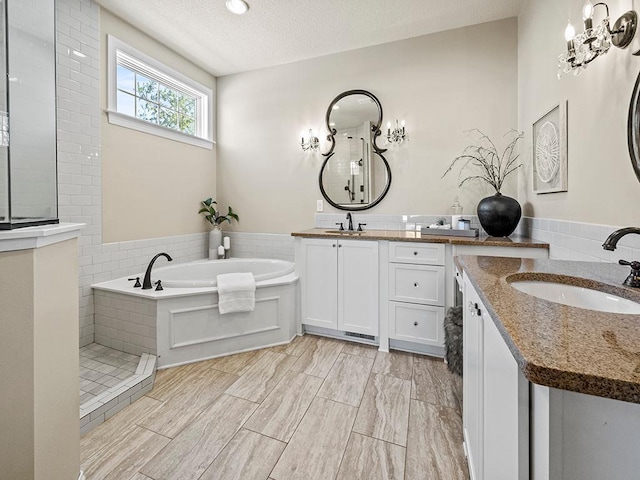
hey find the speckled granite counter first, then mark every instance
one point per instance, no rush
(559, 346)
(410, 236)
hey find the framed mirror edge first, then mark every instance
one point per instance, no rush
(376, 132)
(375, 129)
(633, 128)
(358, 207)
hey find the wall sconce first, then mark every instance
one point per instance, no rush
(397, 135)
(585, 47)
(312, 142)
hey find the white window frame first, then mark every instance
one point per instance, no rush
(205, 120)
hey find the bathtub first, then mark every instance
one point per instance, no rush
(203, 273)
(181, 324)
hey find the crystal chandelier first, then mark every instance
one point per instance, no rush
(585, 47)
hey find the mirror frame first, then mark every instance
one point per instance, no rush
(633, 128)
(375, 129)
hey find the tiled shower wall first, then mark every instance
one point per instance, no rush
(79, 163)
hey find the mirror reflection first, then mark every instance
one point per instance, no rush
(355, 175)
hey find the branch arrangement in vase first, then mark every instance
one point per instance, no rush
(493, 167)
(214, 216)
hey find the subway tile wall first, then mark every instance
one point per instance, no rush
(79, 163)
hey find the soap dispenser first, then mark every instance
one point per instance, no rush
(456, 209)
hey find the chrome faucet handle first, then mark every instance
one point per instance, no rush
(633, 280)
(137, 284)
(341, 225)
(360, 225)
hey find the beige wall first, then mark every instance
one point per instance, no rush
(602, 184)
(441, 84)
(151, 186)
(39, 363)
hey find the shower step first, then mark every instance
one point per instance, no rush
(103, 406)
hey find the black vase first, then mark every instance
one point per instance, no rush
(499, 215)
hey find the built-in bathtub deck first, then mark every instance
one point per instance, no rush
(109, 381)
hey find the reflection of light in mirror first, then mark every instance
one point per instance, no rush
(355, 168)
(336, 107)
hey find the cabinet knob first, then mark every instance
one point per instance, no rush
(334, 245)
(415, 284)
(415, 253)
(415, 324)
(339, 246)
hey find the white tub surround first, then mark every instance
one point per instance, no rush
(183, 324)
(38, 352)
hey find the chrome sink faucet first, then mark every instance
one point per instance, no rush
(633, 280)
(350, 220)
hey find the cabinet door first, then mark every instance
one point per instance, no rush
(319, 283)
(472, 386)
(506, 410)
(358, 286)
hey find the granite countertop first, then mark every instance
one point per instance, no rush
(411, 236)
(555, 345)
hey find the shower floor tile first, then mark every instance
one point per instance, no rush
(102, 368)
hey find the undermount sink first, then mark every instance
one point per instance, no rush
(344, 232)
(575, 296)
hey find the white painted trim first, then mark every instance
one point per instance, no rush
(123, 120)
(37, 237)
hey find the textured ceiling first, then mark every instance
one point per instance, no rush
(275, 32)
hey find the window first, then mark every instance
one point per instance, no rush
(146, 95)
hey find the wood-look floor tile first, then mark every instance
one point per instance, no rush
(434, 447)
(297, 346)
(183, 407)
(394, 364)
(247, 456)
(258, 381)
(371, 459)
(171, 381)
(236, 364)
(360, 349)
(347, 379)
(192, 451)
(114, 428)
(279, 414)
(384, 410)
(432, 382)
(139, 476)
(124, 457)
(319, 358)
(316, 449)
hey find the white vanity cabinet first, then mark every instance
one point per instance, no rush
(495, 399)
(417, 292)
(340, 285)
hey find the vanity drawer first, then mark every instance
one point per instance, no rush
(416, 283)
(416, 323)
(419, 253)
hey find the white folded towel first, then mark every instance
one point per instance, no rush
(236, 292)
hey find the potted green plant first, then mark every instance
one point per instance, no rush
(498, 214)
(215, 218)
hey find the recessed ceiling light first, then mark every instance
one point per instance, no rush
(237, 6)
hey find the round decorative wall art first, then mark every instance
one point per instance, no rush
(550, 151)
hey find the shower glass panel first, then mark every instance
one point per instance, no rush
(28, 175)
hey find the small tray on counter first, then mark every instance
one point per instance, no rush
(449, 232)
